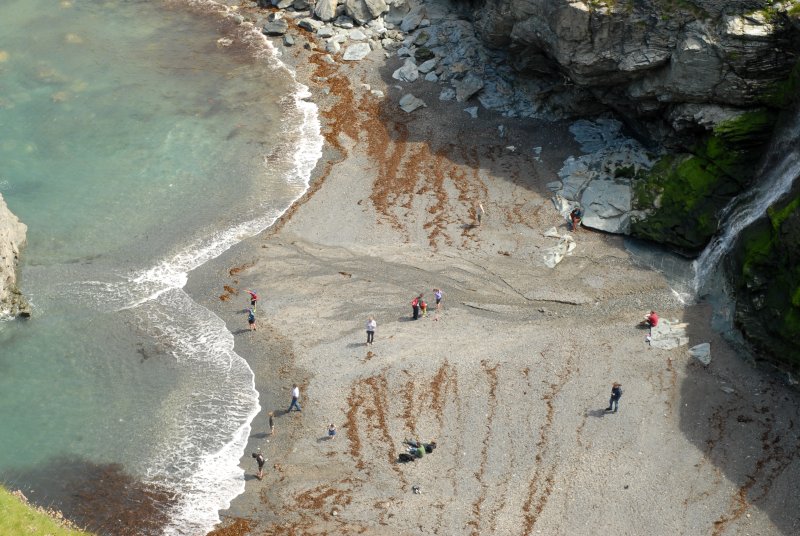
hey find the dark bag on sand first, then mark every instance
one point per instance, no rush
(405, 457)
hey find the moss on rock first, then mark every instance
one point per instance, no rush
(680, 197)
(768, 284)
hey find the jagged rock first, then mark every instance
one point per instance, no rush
(447, 94)
(409, 103)
(701, 352)
(364, 11)
(427, 66)
(325, 10)
(12, 240)
(412, 20)
(326, 32)
(407, 73)
(300, 5)
(357, 35)
(467, 87)
(472, 111)
(357, 51)
(431, 77)
(332, 46)
(555, 254)
(311, 25)
(276, 27)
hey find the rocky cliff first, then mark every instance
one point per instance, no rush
(12, 239)
(705, 79)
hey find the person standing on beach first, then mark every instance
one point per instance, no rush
(439, 295)
(415, 307)
(371, 326)
(271, 423)
(253, 299)
(251, 319)
(616, 394)
(332, 431)
(260, 461)
(295, 399)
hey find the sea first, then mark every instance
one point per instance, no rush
(138, 140)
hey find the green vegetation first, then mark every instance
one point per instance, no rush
(768, 284)
(683, 193)
(19, 518)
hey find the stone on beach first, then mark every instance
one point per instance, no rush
(409, 103)
(309, 24)
(427, 66)
(276, 27)
(325, 10)
(413, 19)
(364, 11)
(467, 87)
(407, 73)
(668, 335)
(701, 352)
(555, 254)
(357, 51)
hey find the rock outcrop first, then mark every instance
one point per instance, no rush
(12, 240)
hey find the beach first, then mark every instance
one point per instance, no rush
(511, 377)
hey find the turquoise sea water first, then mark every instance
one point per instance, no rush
(138, 139)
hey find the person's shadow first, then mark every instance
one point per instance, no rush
(598, 413)
(241, 330)
(356, 344)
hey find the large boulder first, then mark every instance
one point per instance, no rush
(325, 10)
(12, 240)
(364, 11)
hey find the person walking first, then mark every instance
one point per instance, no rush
(253, 299)
(260, 461)
(616, 394)
(371, 326)
(251, 319)
(295, 399)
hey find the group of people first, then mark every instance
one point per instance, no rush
(419, 307)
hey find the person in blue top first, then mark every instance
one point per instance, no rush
(251, 319)
(616, 394)
(575, 218)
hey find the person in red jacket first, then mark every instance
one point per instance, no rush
(651, 319)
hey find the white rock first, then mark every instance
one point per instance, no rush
(357, 35)
(427, 66)
(472, 111)
(407, 73)
(377, 93)
(701, 352)
(357, 51)
(325, 32)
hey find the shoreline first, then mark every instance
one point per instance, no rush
(517, 409)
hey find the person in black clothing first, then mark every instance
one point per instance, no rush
(616, 394)
(260, 460)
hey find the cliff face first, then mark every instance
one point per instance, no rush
(667, 67)
(12, 239)
(705, 79)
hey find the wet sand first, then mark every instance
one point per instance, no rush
(510, 378)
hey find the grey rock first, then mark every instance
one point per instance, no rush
(412, 20)
(472, 111)
(427, 66)
(364, 11)
(701, 352)
(357, 51)
(447, 94)
(344, 22)
(332, 46)
(357, 35)
(283, 4)
(311, 25)
(407, 73)
(326, 32)
(276, 27)
(288, 40)
(431, 77)
(300, 5)
(409, 103)
(404, 52)
(467, 87)
(325, 10)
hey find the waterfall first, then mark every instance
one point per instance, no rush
(781, 167)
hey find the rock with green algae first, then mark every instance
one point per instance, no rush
(767, 281)
(678, 200)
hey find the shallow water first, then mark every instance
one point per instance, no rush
(140, 139)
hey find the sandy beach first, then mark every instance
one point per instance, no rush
(511, 377)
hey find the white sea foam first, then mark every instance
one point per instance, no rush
(208, 422)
